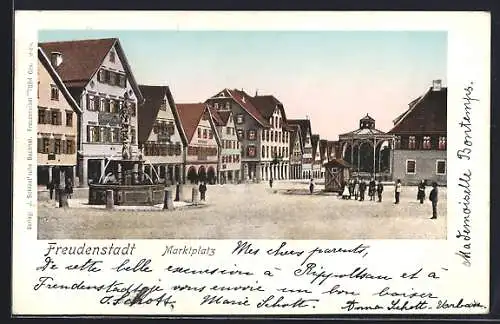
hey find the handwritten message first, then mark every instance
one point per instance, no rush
(464, 154)
(279, 278)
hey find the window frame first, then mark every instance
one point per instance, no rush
(437, 169)
(414, 166)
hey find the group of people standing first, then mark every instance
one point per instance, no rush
(54, 187)
(357, 189)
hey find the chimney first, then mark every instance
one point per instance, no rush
(436, 85)
(56, 59)
(243, 99)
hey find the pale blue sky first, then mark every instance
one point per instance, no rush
(334, 77)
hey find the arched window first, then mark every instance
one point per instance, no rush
(263, 151)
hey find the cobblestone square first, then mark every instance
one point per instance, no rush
(255, 211)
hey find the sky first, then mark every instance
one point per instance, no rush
(332, 77)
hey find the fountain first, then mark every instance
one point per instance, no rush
(125, 177)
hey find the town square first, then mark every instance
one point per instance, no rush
(250, 154)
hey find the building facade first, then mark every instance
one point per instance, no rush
(202, 154)
(162, 140)
(316, 157)
(98, 76)
(420, 139)
(57, 126)
(275, 140)
(307, 153)
(296, 151)
(260, 125)
(230, 153)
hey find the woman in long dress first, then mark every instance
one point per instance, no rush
(345, 192)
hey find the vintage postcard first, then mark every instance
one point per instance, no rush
(251, 163)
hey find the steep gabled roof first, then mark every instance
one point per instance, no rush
(244, 100)
(425, 116)
(190, 115)
(148, 112)
(82, 59)
(315, 144)
(305, 126)
(60, 84)
(322, 148)
(216, 117)
(266, 106)
(295, 133)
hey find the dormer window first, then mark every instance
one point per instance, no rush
(239, 119)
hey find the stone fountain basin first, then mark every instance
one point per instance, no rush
(127, 195)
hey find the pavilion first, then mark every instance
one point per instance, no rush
(368, 150)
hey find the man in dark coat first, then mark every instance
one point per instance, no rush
(50, 187)
(421, 192)
(371, 189)
(380, 189)
(311, 186)
(203, 189)
(362, 189)
(433, 197)
(271, 182)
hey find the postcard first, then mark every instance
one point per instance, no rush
(251, 163)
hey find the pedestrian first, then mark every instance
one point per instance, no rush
(371, 189)
(271, 182)
(50, 187)
(311, 186)
(397, 191)
(356, 189)
(345, 190)
(362, 189)
(433, 197)
(69, 187)
(421, 191)
(203, 189)
(380, 189)
(351, 188)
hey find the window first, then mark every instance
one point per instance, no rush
(267, 151)
(55, 117)
(252, 135)
(45, 145)
(199, 132)
(275, 122)
(69, 118)
(440, 167)
(205, 133)
(122, 81)
(216, 105)
(54, 92)
(239, 119)
(263, 135)
(272, 135)
(412, 142)
(426, 143)
(70, 146)
(263, 151)
(228, 105)
(41, 116)
(210, 134)
(279, 122)
(240, 134)
(279, 138)
(93, 134)
(115, 133)
(267, 135)
(442, 143)
(112, 78)
(397, 142)
(57, 146)
(112, 56)
(101, 77)
(410, 166)
(251, 151)
(228, 130)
